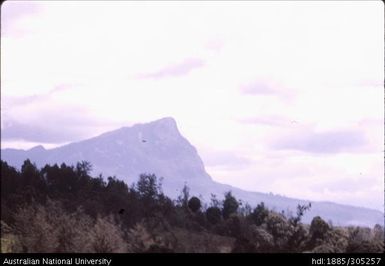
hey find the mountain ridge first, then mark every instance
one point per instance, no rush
(158, 147)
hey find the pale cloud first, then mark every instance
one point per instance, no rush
(40, 133)
(227, 159)
(258, 87)
(45, 118)
(50, 123)
(14, 14)
(323, 142)
(270, 120)
(182, 68)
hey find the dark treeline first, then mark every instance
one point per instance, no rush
(64, 209)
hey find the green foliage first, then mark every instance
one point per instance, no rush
(318, 228)
(49, 228)
(152, 235)
(9, 242)
(232, 226)
(254, 239)
(245, 209)
(184, 196)
(264, 241)
(324, 248)
(83, 168)
(148, 187)
(364, 240)
(281, 230)
(259, 214)
(64, 209)
(194, 204)
(378, 233)
(301, 209)
(213, 215)
(201, 242)
(297, 239)
(29, 170)
(106, 236)
(214, 201)
(230, 205)
(140, 239)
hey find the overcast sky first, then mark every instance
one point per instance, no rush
(283, 97)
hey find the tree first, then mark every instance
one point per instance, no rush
(184, 196)
(301, 209)
(148, 187)
(31, 177)
(10, 179)
(230, 205)
(194, 204)
(298, 239)
(259, 214)
(29, 169)
(245, 209)
(213, 215)
(378, 233)
(256, 239)
(280, 229)
(83, 168)
(214, 201)
(318, 228)
(362, 240)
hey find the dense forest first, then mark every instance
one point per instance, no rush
(64, 209)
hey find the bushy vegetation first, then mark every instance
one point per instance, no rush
(64, 209)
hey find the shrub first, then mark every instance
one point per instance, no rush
(213, 215)
(194, 204)
(106, 237)
(318, 228)
(280, 229)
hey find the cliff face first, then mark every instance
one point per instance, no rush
(155, 147)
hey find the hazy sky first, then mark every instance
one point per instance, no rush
(277, 96)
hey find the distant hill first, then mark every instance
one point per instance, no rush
(158, 147)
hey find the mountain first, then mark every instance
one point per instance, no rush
(158, 147)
